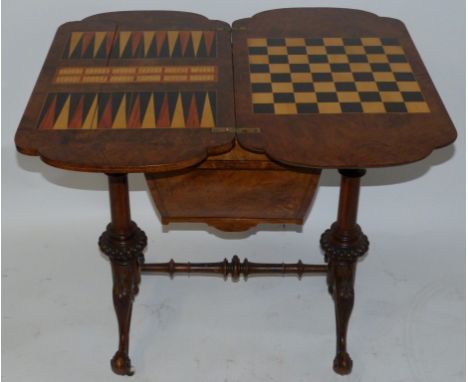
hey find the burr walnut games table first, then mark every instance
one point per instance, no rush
(231, 127)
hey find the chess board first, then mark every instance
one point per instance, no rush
(332, 75)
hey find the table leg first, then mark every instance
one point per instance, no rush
(123, 242)
(343, 244)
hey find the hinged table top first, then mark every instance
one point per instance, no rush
(153, 91)
(132, 92)
(335, 88)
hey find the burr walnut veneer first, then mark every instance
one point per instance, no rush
(231, 127)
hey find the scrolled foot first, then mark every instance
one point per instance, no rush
(121, 364)
(343, 363)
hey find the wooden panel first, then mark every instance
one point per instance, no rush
(101, 104)
(262, 196)
(334, 88)
(235, 191)
(132, 92)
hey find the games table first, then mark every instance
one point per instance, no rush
(231, 127)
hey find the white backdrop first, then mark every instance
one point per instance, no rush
(58, 321)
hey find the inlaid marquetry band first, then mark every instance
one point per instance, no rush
(119, 110)
(332, 75)
(141, 44)
(129, 74)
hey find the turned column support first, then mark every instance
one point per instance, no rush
(343, 243)
(123, 242)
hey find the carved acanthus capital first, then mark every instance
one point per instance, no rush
(123, 249)
(341, 248)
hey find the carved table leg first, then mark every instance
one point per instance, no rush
(123, 242)
(343, 244)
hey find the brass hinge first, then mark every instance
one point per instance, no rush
(237, 130)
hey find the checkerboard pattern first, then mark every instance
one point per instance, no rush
(332, 75)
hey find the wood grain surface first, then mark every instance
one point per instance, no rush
(121, 92)
(336, 139)
(113, 138)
